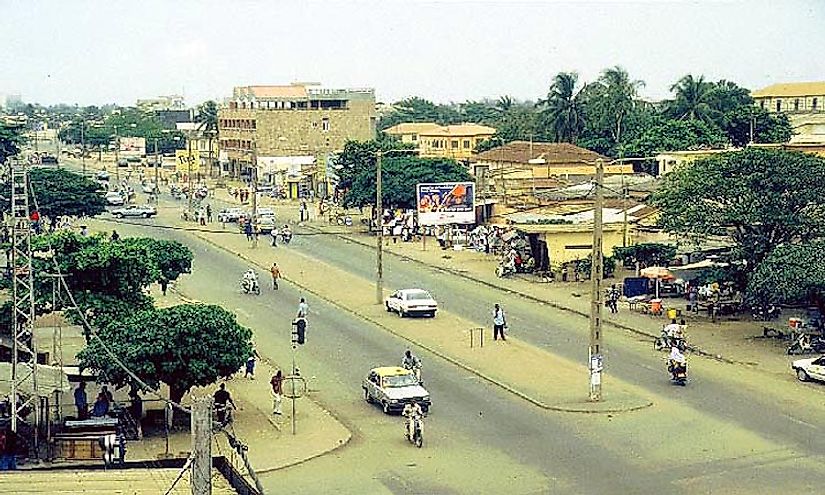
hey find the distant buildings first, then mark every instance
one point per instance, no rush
(804, 104)
(450, 141)
(170, 102)
(296, 120)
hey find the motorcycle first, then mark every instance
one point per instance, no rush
(765, 313)
(678, 372)
(503, 270)
(286, 236)
(417, 437)
(666, 342)
(251, 286)
(804, 343)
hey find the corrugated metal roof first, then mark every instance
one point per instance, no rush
(524, 151)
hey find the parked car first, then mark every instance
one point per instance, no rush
(140, 211)
(148, 188)
(114, 198)
(265, 212)
(229, 215)
(393, 387)
(266, 223)
(122, 163)
(411, 302)
(808, 369)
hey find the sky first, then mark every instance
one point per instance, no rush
(98, 52)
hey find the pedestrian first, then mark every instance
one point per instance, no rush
(81, 402)
(304, 212)
(303, 309)
(222, 400)
(115, 236)
(101, 406)
(250, 364)
(106, 393)
(693, 296)
(499, 322)
(8, 448)
(164, 284)
(276, 274)
(277, 391)
(235, 194)
(274, 234)
(84, 231)
(209, 213)
(247, 229)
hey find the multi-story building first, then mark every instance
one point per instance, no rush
(804, 104)
(449, 141)
(170, 102)
(297, 120)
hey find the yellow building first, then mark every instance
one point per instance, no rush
(669, 161)
(791, 97)
(565, 243)
(450, 141)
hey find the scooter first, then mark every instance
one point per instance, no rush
(417, 437)
(678, 372)
(251, 286)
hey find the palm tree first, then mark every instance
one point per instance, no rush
(615, 98)
(563, 107)
(693, 99)
(504, 104)
(207, 119)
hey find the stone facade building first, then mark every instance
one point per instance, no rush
(292, 121)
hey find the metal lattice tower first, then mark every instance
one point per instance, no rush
(24, 353)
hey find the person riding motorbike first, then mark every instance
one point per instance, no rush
(412, 363)
(412, 412)
(286, 234)
(677, 364)
(250, 280)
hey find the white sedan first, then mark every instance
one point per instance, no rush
(807, 369)
(411, 302)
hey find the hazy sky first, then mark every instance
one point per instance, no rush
(95, 52)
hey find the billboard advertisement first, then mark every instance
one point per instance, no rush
(445, 203)
(184, 162)
(132, 146)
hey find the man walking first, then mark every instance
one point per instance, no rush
(499, 322)
(277, 391)
(303, 308)
(222, 399)
(276, 274)
(81, 401)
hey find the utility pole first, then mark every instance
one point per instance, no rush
(189, 171)
(157, 166)
(83, 146)
(117, 157)
(596, 270)
(201, 477)
(254, 194)
(379, 216)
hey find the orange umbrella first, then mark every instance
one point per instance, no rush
(656, 272)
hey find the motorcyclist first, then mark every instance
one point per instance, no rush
(676, 362)
(286, 234)
(412, 412)
(250, 279)
(412, 363)
(673, 332)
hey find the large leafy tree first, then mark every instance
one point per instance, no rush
(674, 135)
(758, 198)
(416, 109)
(10, 140)
(182, 346)
(563, 108)
(792, 273)
(60, 192)
(767, 127)
(400, 174)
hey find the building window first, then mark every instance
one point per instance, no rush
(813, 104)
(454, 143)
(415, 136)
(778, 105)
(762, 104)
(466, 143)
(796, 105)
(325, 124)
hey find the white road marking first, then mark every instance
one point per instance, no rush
(800, 422)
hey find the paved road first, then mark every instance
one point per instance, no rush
(711, 437)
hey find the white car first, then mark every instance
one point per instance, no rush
(411, 302)
(114, 198)
(148, 188)
(807, 369)
(140, 211)
(266, 223)
(231, 215)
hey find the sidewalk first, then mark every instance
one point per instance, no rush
(272, 445)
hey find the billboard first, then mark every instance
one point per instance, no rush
(132, 146)
(184, 162)
(445, 203)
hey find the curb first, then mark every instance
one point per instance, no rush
(438, 353)
(554, 305)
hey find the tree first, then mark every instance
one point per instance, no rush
(182, 346)
(10, 141)
(171, 258)
(675, 135)
(417, 109)
(400, 174)
(207, 119)
(758, 198)
(563, 108)
(792, 273)
(646, 254)
(693, 100)
(60, 193)
(613, 100)
(767, 127)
